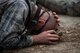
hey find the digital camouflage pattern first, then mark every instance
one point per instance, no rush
(13, 14)
(69, 7)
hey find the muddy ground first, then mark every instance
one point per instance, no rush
(70, 41)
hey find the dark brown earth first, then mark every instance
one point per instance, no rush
(70, 41)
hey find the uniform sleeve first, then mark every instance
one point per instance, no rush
(11, 23)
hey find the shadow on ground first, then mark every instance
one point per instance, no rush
(70, 41)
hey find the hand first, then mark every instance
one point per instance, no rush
(46, 37)
(56, 19)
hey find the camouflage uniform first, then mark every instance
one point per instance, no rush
(13, 14)
(69, 7)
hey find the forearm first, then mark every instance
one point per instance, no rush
(14, 41)
(12, 23)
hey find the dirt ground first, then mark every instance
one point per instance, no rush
(70, 41)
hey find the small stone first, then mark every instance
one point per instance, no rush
(32, 49)
(67, 32)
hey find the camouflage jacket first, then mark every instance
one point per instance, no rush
(13, 14)
(69, 7)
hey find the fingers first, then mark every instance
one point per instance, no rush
(56, 16)
(51, 31)
(53, 39)
(53, 35)
(58, 20)
(54, 13)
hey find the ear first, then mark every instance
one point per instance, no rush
(41, 21)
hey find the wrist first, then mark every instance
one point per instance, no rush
(35, 39)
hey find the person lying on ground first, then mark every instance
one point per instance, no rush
(15, 22)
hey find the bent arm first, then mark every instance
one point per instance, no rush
(11, 23)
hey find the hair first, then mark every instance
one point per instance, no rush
(49, 25)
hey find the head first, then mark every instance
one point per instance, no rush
(46, 22)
